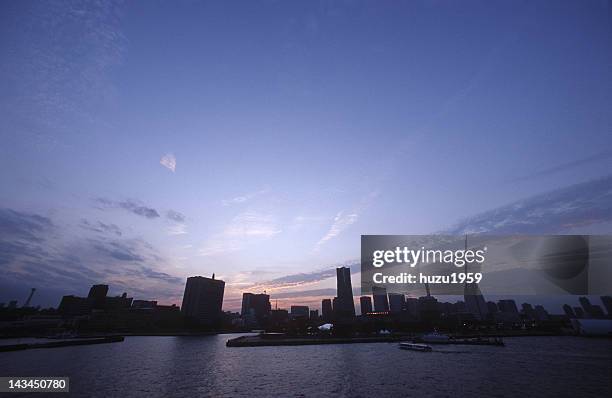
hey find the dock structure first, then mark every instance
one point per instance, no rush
(61, 343)
(262, 341)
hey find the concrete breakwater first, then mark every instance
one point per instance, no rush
(61, 343)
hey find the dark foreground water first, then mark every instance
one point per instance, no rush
(204, 367)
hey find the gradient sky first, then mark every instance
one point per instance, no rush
(144, 142)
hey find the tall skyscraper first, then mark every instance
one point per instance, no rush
(507, 306)
(396, 302)
(345, 308)
(326, 310)
(203, 299)
(381, 303)
(366, 304)
(255, 308)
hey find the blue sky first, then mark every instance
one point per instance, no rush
(143, 142)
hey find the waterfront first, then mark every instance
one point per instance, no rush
(203, 366)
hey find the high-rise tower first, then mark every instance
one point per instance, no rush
(345, 305)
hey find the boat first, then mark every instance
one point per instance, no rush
(415, 347)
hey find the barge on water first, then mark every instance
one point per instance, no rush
(415, 347)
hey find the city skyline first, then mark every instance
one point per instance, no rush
(146, 144)
(260, 303)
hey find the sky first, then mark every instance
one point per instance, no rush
(145, 142)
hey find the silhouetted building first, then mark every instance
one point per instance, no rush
(590, 310)
(279, 318)
(345, 307)
(334, 307)
(396, 302)
(97, 296)
(74, 306)
(144, 304)
(540, 313)
(460, 307)
(119, 302)
(429, 310)
(412, 307)
(327, 310)
(446, 308)
(528, 311)
(365, 302)
(203, 299)
(607, 302)
(314, 315)
(255, 308)
(167, 315)
(492, 307)
(381, 302)
(300, 311)
(507, 306)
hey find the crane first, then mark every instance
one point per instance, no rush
(27, 302)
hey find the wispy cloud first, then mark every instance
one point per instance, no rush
(341, 222)
(169, 162)
(552, 212)
(345, 219)
(217, 246)
(37, 252)
(117, 250)
(100, 227)
(252, 224)
(243, 198)
(243, 227)
(177, 223)
(24, 226)
(300, 279)
(177, 229)
(584, 204)
(175, 216)
(132, 206)
(607, 154)
(304, 279)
